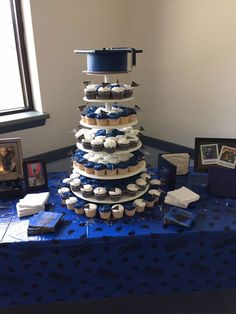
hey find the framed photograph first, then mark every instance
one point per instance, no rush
(214, 151)
(180, 160)
(10, 159)
(35, 174)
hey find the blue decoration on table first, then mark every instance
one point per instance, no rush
(88, 259)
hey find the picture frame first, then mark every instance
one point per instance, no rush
(11, 160)
(214, 151)
(180, 160)
(35, 174)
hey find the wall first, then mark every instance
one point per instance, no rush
(188, 69)
(60, 26)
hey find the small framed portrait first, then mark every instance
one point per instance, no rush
(10, 159)
(214, 151)
(35, 174)
(227, 157)
(209, 154)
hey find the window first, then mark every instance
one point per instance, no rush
(15, 90)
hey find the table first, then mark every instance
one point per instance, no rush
(92, 259)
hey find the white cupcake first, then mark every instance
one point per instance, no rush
(63, 190)
(141, 183)
(139, 204)
(145, 176)
(117, 92)
(155, 193)
(117, 211)
(110, 146)
(66, 181)
(104, 92)
(90, 210)
(87, 190)
(100, 193)
(75, 185)
(132, 189)
(115, 194)
(70, 202)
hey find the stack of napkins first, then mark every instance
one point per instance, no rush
(32, 204)
(43, 222)
(181, 197)
(180, 217)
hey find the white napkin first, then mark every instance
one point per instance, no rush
(181, 197)
(35, 199)
(32, 204)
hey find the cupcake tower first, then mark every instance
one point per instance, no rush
(108, 145)
(109, 171)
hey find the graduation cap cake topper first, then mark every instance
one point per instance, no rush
(109, 59)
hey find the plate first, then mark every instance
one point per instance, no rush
(116, 177)
(108, 127)
(80, 147)
(108, 100)
(109, 201)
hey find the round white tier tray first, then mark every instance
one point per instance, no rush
(108, 100)
(108, 127)
(107, 200)
(133, 149)
(116, 177)
(105, 73)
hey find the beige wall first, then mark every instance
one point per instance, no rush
(187, 71)
(188, 68)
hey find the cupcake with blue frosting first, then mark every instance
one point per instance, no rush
(123, 167)
(79, 207)
(89, 167)
(101, 119)
(104, 211)
(111, 169)
(124, 116)
(129, 209)
(150, 200)
(99, 169)
(91, 118)
(113, 118)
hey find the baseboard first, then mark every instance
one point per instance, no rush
(56, 154)
(166, 146)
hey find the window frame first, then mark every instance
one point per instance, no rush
(18, 27)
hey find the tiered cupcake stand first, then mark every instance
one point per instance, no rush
(108, 106)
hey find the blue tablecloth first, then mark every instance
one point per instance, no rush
(91, 259)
